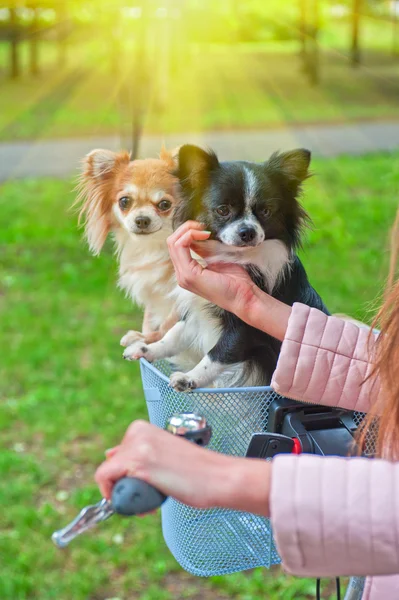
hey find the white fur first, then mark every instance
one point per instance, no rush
(271, 258)
(146, 275)
(230, 233)
(157, 195)
(175, 345)
(203, 374)
(130, 189)
(131, 337)
(103, 162)
(145, 271)
(128, 220)
(173, 341)
(230, 236)
(203, 328)
(251, 186)
(137, 193)
(193, 338)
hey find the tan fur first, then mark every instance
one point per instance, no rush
(169, 322)
(148, 174)
(105, 174)
(170, 156)
(106, 177)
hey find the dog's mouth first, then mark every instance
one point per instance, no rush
(144, 231)
(239, 244)
(243, 245)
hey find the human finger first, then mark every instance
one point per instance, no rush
(180, 254)
(109, 472)
(183, 228)
(109, 453)
(190, 237)
(207, 248)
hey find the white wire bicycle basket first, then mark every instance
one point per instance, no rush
(216, 541)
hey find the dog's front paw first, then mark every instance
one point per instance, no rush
(138, 350)
(181, 382)
(130, 337)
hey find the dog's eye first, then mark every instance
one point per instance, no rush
(266, 212)
(124, 202)
(164, 205)
(223, 210)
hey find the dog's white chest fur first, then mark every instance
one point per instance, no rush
(203, 327)
(146, 273)
(270, 258)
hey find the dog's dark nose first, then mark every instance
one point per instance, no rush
(247, 234)
(142, 222)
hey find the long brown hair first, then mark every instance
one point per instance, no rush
(384, 416)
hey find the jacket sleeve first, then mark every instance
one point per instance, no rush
(336, 516)
(325, 360)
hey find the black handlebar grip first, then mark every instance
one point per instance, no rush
(131, 496)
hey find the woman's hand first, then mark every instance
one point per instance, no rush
(227, 285)
(193, 475)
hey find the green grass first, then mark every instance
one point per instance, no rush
(66, 395)
(207, 87)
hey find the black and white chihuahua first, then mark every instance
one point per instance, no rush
(253, 210)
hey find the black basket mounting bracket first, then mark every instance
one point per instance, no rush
(297, 427)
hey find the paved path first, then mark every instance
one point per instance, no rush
(60, 158)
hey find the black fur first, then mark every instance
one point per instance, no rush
(207, 184)
(240, 342)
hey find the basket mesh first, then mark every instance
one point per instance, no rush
(216, 541)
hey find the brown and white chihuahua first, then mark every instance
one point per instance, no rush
(134, 201)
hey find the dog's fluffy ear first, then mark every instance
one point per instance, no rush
(170, 157)
(291, 169)
(94, 199)
(100, 164)
(195, 165)
(293, 165)
(194, 168)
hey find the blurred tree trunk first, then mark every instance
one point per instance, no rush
(165, 38)
(395, 28)
(141, 80)
(355, 49)
(14, 45)
(309, 25)
(115, 40)
(302, 26)
(62, 17)
(135, 82)
(314, 58)
(34, 43)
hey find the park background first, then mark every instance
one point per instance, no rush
(247, 78)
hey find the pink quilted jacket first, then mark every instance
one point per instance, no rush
(334, 516)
